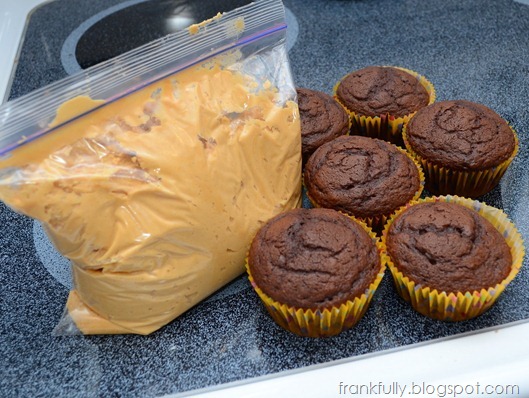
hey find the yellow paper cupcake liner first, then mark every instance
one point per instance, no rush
(458, 306)
(326, 322)
(385, 127)
(377, 222)
(442, 180)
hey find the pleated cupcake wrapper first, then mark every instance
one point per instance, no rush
(385, 127)
(441, 180)
(326, 322)
(458, 306)
(377, 222)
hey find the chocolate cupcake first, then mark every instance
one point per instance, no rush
(315, 269)
(464, 147)
(364, 177)
(381, 99)
(451, 257)
(322, 120)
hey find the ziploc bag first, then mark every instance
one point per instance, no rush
(152, 172)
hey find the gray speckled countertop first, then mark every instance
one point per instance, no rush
(476, 50)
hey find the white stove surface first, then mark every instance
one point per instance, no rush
(461, 366)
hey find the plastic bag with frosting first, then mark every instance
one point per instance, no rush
(152, 172)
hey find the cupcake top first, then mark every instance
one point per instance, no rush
(361, 176)
(460, 134)
(380, 90)
(322, 119)
(448, 247)
(313, 259)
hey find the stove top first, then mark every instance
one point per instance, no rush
(117, 29)
(468, 50)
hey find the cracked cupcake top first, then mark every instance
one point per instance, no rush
(313, 258)
(361, 176)
(448, 247)
(322, 119)
(460, 134)
(380, 90)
